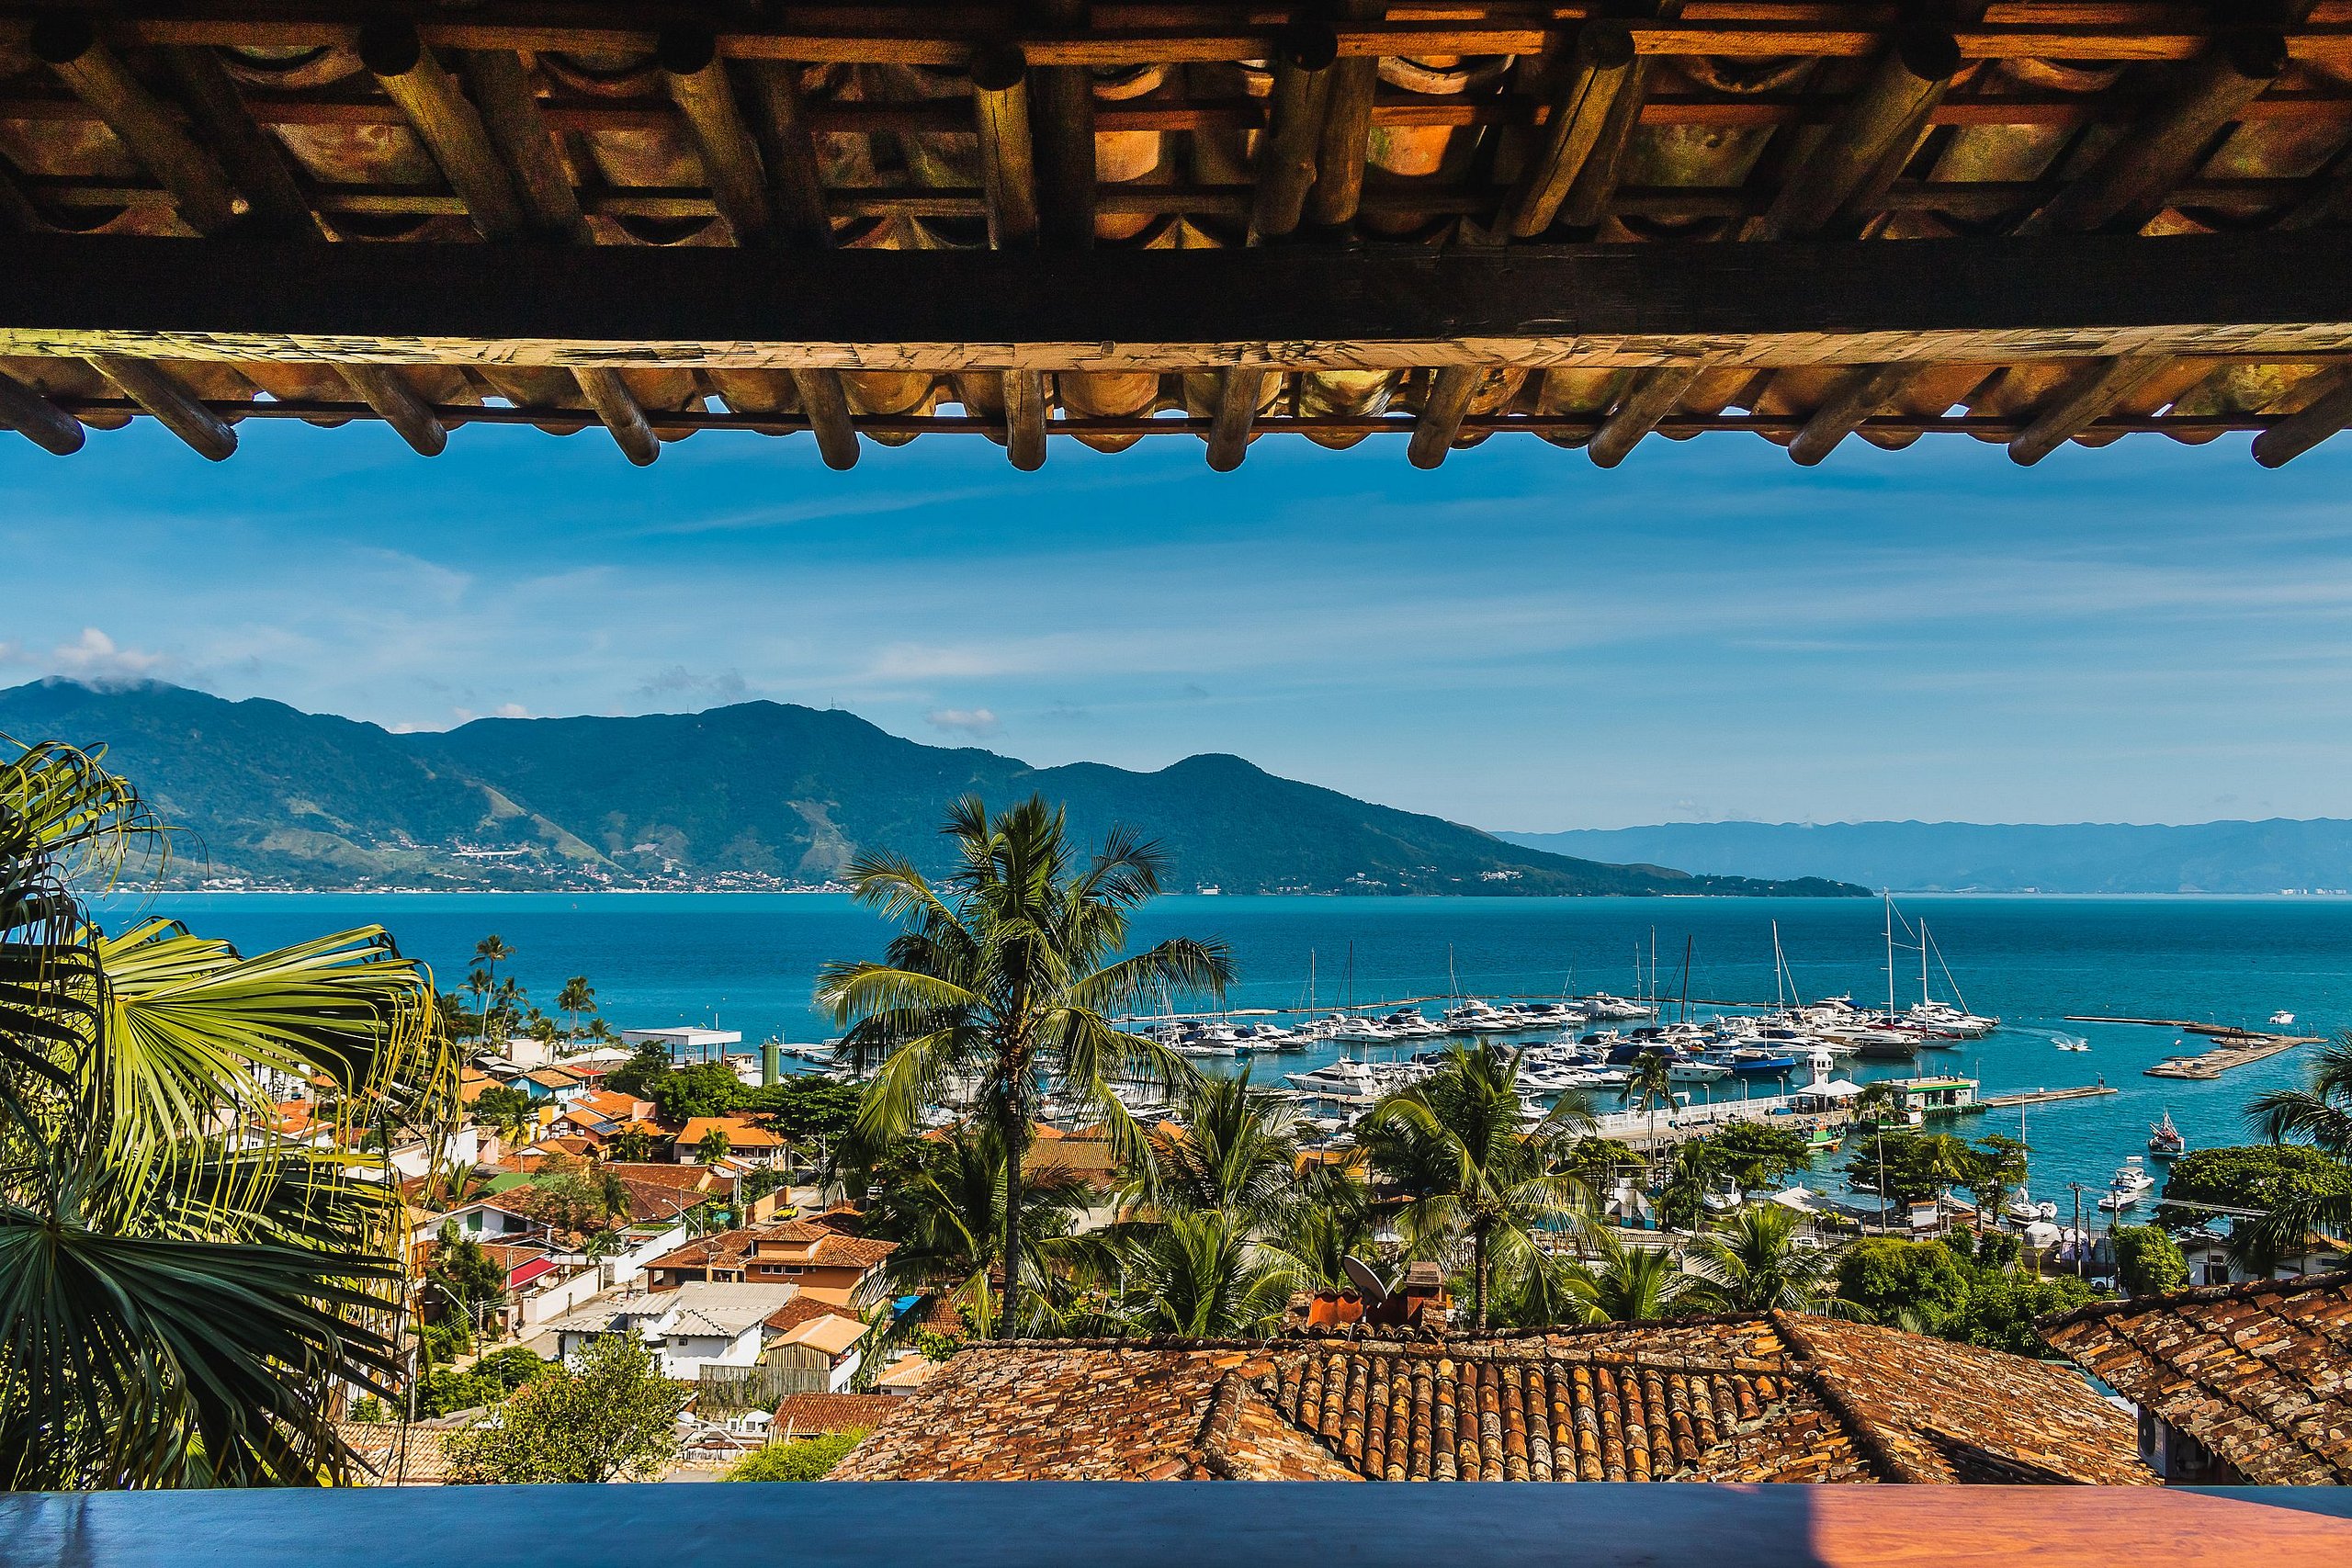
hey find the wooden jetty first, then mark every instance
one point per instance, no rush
(2224, 1032)
(2043, 1097)
(2232, 1047)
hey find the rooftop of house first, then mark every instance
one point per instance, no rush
(741, 1132)
(730, 1250)
(830, 1333)
(802, 1308)
(2260, 1373)
(814, 1414)
(703, 1308)
(1752, 1398)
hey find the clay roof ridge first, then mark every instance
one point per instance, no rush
(2196, 1295)
(1807, 1363)
(2228, 1391)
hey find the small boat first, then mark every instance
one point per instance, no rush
(2131, 1182)
(2165, 1141)
(2025, 1211)
(2070, 1042)
(2282, 1020)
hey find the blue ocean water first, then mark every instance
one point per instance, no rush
(748, 961)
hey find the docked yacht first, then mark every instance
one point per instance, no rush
(1477, 1016)
(1346, 1077)
(2131, 1182)
(1604, 1008)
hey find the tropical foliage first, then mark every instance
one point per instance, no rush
(180, 1288)
(807, 1459)
(1003, 974)
(1757, 1261)
(2147, 1261)
(607, 1415)
(942, 1199)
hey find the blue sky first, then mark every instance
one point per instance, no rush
(2146, 632)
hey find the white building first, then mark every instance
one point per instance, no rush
(687, 1045)
(697, 1326)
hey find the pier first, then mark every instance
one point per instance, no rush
(2233, 1047)
(2043, 1096)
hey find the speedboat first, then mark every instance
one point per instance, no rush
(2131, 1182)
(2025, 1211)
(2070, 1042)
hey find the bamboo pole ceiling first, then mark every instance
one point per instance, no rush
(2034, 222)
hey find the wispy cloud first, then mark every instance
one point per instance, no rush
(96, 657)
(977, 722)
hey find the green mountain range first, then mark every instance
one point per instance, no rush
(753, 795)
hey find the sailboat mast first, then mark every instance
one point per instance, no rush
(1923, 963)
(1686, 978)
(1777, 1003)
(1890, 955)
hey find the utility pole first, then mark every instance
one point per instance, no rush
(2079, 1248)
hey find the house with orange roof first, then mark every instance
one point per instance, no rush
(748, 1143)
(823, 1262)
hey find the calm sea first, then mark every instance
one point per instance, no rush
(748, 963)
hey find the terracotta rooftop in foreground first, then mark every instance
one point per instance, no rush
(1814, 220)
(2260, 1373)
(1741, 1399)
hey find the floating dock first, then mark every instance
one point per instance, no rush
(2043, 1097)
(2232, 1047)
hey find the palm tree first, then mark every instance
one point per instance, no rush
(491, 952)
(713, 1146)
(631, 1145)
(1195, 1273)
(1311, 1240)
(2321, 1116)
(942, 1200)
(1626, 1284)
(1471, 1164)
(1234, 1151)
(1752, 1262)
(507, 1000)
(1003, 973)
(1650, 1085)
(576, 998)
(176, 1307)
(479, 983)
(1876, 1098)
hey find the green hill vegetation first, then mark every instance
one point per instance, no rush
(753, 795)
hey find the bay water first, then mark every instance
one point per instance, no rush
(748, 962)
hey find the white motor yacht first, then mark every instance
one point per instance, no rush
(2132, 1183)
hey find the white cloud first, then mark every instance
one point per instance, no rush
(977, 722)
(97, 657)
(511, 710)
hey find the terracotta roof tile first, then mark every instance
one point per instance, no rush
(2260, 1373)
(1726, 1399)
(813, 1414)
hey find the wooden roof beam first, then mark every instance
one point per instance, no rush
(37, 419)
(71, 47)
(1347, 122)
(1864, 391)
(501, 92)
(1239, 391)
(256, 160)
(1008, 166)
(1650, 399)
(1287, 150)
(616, 406)
(795, 185)
(381, 387)
(2128, 184)
(178, 409)
(1859, 156)
(698, 86)
(2324, 412)
(1024, 419)
(1062, 122)
(1441, 413)
(447, 123)
(826, 403)
(1602, 68)
(2090, 392)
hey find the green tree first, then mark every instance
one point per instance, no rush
(1916, 1165)
(1757, 1261)
(806, 1108)
(631, 1145)
(570, 1201)
(1234, 1151)
(490, 952)
(1333, 1221)
(470, 1281)
(2002, 1306)
(646, 1066)
(480, 982)
(607, 1415)
(706, 1088)
(576, 998)
(1003, 973)
(805, 1458)
(175, 1308)
(1756, 1154)
(942, 1200)
(2320, 1117)
(2147, 1261)
(2293, 1178)
(1650, 1084)
(506, 1109)
(1992, 1171)
(1908, 1285)
(1471, 1164)
(1195, 1273)
(1880, 1103)
(1693, 1171)
(713, 1146)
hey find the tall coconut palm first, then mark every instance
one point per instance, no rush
(180, 1295)
(1472, 1166)
(1650, 1084)
(1623, 1283)
(1754, 1261)
(1004, 972)
(1312, 1239)
(941, 1197)
(490, 952)
(576, 998)
(1198, 1274)
(479, 982)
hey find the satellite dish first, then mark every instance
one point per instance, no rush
(1366, 1280)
